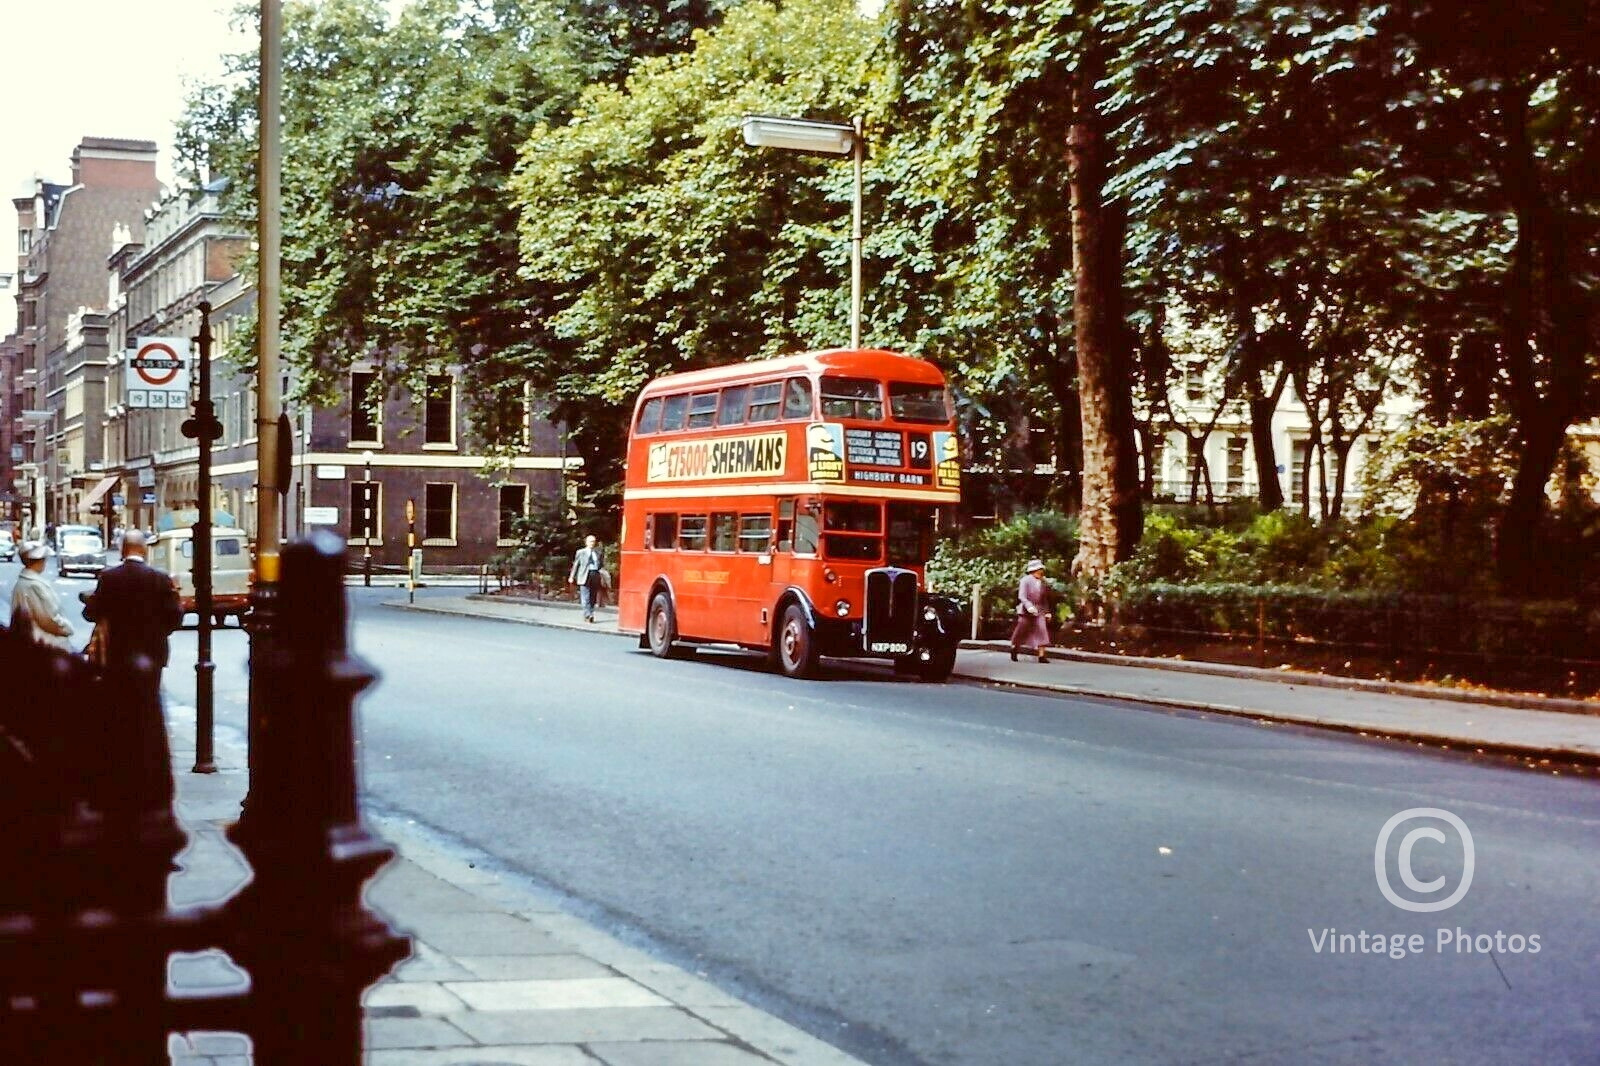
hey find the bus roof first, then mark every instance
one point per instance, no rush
(866, 362)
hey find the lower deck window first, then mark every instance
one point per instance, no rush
(664, 531)
(692, 532)
(722, 539)
(755, 532)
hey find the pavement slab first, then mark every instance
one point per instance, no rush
(583, 1025)
(499, 975)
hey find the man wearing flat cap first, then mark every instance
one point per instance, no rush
(35, 610)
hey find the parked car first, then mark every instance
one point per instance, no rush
(80, 549)
(173, 551)
(8, 546)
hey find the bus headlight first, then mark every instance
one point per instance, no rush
(841, 608)
(929, 614)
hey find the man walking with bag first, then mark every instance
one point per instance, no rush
(588, 573)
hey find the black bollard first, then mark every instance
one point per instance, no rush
(310, 945)
(84, 864)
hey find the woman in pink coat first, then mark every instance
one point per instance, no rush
(1033, 611)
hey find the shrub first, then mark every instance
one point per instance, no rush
(546, 539)
(992, 558)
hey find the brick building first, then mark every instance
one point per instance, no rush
(64, 232)
(344, 457)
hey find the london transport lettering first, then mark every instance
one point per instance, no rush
(727, 457)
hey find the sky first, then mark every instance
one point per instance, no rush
(96, 68)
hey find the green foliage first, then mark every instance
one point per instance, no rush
(546, 538)
(993, 557)
(678, 245)
(1388, 622)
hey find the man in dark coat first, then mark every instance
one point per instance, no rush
(136, 606)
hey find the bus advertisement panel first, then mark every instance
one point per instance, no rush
(789, 506)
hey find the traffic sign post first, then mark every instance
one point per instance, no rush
(411, 551)
(204, 428)
(157, 373)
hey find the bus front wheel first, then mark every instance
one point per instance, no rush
(797, 644)
(939, 665)
(661, 626)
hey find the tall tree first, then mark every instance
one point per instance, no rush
(676, 245)
(1111, 519)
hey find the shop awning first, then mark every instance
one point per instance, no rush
(95, 493)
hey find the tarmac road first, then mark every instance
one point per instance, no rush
(963, 875)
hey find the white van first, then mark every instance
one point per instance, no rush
(173, 551)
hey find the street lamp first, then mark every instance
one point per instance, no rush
(366, 520)
(822, 138)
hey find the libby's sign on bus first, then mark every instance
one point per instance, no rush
(753, 455)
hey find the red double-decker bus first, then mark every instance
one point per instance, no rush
(789, 506)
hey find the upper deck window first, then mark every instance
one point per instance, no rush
(734, 399)
(702, 410)
(673, 411)
(764, 401)
(650, 416)
(797, 398)
(919, 403)
(852, 398)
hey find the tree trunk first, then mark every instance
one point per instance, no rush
(1545, 308)
(1111, 519)
(1269, 490)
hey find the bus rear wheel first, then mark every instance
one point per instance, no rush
(797, 644)
(660, 627)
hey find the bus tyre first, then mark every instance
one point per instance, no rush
(939, 665)
(797, 644)
(660, 627)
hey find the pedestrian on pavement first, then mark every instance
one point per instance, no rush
(588, 573)
(1032, 630)
(35, 609)
(135, 606)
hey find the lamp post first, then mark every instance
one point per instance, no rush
(822, 138)
(366, 520)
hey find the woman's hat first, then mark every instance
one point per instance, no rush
(33, 552)
(1033, 564)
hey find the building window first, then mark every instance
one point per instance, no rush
(366, 408)
(513, 505)
(1235, 465)
(1194, 380)
(507, 423)
(1197, 454)
(1155, 468)
(439, 512)
(1299, 457)
(366, 519)
(439, 411)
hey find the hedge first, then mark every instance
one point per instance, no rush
(1393, 622)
